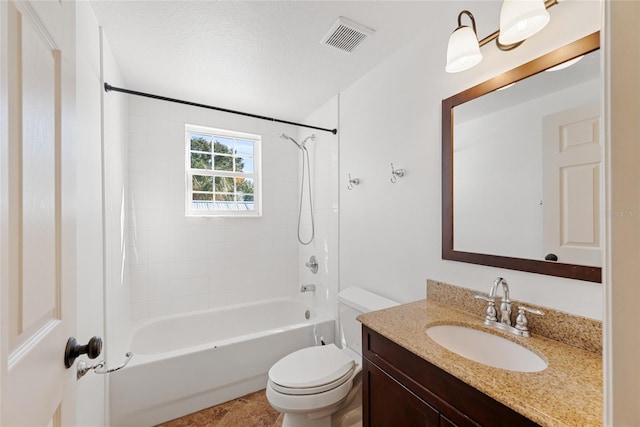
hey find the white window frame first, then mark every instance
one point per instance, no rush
(256, 175)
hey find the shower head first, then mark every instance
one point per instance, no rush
(311, 137)
(285, 136)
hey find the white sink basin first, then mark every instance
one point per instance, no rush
(486, 348)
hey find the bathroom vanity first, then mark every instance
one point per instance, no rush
(409, 379)
(400, 388)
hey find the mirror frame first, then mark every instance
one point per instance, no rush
(582, 46)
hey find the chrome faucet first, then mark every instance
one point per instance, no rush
(505, 303)
(491, 315)
(308, 288)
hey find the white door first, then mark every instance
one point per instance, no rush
(37, 219)
(572, 170)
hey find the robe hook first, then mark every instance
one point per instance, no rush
(395, 174)
(352, 182)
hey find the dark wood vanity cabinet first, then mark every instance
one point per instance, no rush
(402, 389)
(391, 404)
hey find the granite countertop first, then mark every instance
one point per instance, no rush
(567, 393)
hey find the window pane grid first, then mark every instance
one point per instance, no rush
(204, 172)
(221, 173)
(236, 149)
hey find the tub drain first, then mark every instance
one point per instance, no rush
(307, 314)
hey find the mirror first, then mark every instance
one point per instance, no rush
(521, 165)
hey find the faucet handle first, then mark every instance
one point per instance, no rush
(491, 314)
(312, 264)
(521, 321)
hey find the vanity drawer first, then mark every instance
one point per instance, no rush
(457, 402)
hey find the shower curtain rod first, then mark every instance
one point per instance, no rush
(108, 88)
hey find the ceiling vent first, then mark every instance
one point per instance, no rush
(346, 35)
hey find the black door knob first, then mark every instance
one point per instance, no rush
(551, 257)
(92, 349)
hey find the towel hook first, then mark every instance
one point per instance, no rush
(352, 182)
(395, 174)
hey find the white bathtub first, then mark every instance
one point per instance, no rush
(186, 363)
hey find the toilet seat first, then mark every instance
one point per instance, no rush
(312, 390)
(312, 370)
(307, 403)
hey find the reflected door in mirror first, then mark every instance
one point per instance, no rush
(572, 168)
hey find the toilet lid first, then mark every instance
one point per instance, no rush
(311, 390)
(312, 367)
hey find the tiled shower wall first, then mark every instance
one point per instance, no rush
(324, 153)
(178, 263)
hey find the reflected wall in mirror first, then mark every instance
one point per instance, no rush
(522, 162)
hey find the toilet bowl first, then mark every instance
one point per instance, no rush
(314, 383)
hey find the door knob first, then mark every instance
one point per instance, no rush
(551, 257)
(92, 349)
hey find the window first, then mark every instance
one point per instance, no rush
(223, 172)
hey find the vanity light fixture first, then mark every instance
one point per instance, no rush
(519, 20)
(506, 87)
(565, 64)
(463, 51)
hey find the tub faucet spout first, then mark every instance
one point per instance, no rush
(308, 288)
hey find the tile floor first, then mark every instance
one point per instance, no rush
(252, 410)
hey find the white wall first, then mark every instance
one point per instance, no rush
(390, 234)
(91, 410)
(324, 174)
(498, 175)
(180, 264)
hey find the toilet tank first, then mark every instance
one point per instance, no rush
(351, 303)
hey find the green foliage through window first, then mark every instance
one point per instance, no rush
(222, 172)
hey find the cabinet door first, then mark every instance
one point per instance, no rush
(445, 422)
(388, 403)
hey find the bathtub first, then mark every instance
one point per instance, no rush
(189, 362)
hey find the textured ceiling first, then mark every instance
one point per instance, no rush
(263, 57)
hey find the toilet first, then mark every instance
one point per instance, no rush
(316, 385)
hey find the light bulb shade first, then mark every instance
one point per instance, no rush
(565, 64)
(520, 19)
(463, 51)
